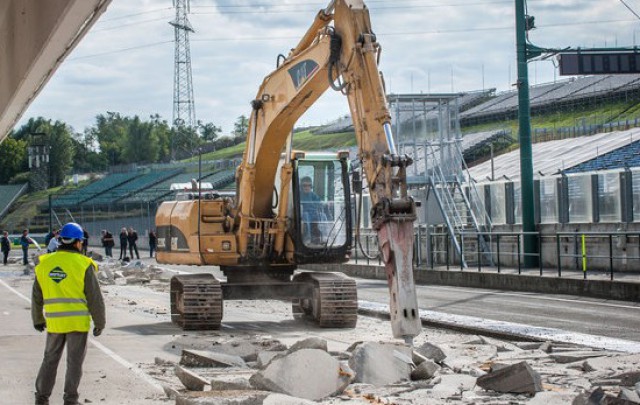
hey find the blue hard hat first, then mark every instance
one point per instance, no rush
(72, 231)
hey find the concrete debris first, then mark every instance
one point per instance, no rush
(95, 256)
(600, 397)
(425, 370)
(417, 358)
(162, 362)
(230, 382)
(309, 343)
(306, 373)
(500, 345)
(517, 378)
(431, 351)
(200, 358)
(281, 399)
(171, 392)
(223, 398)
(248, 349)
(574, 356)
(265, 357)
(630, 378)
(629, 395)
(378, 364)
(190, 380)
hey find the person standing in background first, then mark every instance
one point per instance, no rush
(53, 243)
(132, 238)
(85, 241)
(25, 241)
(108, 243)
(153, 243)
(123, 243)
(5, 245)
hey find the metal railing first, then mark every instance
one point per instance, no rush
(583, 243)
(595, 253)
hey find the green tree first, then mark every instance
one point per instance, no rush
(209, 131)
(110, 131)
(13, 155)
(141, 142)
(61, 152)
(88, 157)
(241, 127)
(162, 132)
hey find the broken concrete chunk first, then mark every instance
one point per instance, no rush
(629, 379)
(517, 378)
(378, 364)
(573, 356)
(281, 399)
(425, 370)
(307, 373)
(228, 383)
(248, 350)
(431, 351)
(309, 343)
(265, 357)
(190, 380)
(162, 362)
(222, 398)
(200, 358)
(629, 395)
(417, 358)
(171, 392)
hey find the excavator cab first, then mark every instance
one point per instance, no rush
(321, 208)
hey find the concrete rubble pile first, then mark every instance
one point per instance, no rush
(112, 271)
(261, 370)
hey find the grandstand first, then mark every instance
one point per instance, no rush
(133, 186)
(83, 194)
(553, 96)
(556, 156)
(9, 194)
(624, 157)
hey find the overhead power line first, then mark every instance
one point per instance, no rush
(630, 9)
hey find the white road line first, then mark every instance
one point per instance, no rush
(16, 292)
(138, 372)
(527, 295)
(518, 329)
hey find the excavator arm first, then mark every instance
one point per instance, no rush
(342, 56)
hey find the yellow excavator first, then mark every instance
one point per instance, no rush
(275, 223)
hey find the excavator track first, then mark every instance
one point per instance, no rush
(196, 302)
(334, 303)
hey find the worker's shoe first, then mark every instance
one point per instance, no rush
(40, 400)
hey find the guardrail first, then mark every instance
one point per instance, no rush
(433, 249)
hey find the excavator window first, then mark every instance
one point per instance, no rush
(322, 204)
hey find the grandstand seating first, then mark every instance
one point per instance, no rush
(572, 90)
(161, 189)
(551, 157)
(82, 194)
(134, 185)
(626, 156)
(8, 194)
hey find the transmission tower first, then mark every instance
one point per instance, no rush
(184, 111)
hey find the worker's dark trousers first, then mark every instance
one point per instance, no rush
(132, 248)
(123, 251)
(76, 349)
(5, 256)
(25, 255)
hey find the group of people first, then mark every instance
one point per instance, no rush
(128, 239)
(25, 241)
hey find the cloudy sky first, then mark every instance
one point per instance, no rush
(125, 63)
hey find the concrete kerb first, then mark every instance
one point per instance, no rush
(615, 290)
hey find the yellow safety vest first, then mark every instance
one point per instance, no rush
(61, 278)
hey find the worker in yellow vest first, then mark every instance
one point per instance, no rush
(67, 288)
